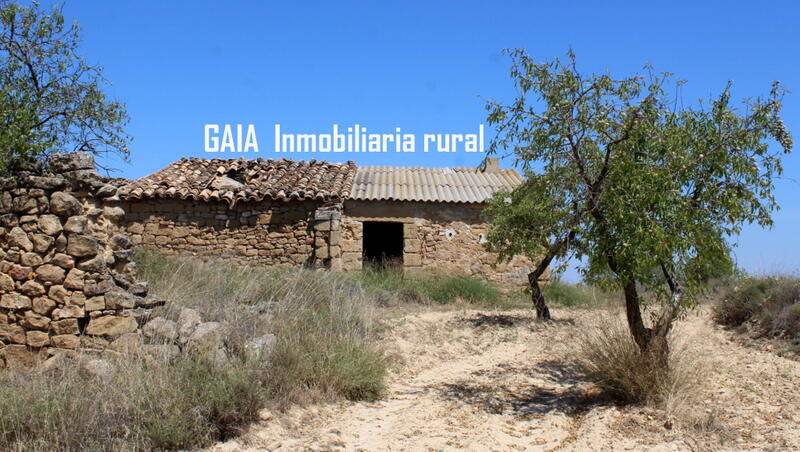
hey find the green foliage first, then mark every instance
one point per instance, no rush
(51, 100)
(565, 294)
(642, 188)
(471, 290)
(442, 289)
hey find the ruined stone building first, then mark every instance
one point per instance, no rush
(320, 214)
(67, 233)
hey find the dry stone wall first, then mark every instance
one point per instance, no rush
(66, 281)
(262, 233)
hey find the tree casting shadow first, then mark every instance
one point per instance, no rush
(561, 392)
(481, 320)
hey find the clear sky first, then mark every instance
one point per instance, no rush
(423, 66)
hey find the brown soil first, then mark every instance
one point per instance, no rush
(487, 380)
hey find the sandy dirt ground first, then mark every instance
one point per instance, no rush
(491, 380)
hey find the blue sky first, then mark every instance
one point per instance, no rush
(423, 66)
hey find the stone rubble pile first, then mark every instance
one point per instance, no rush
(66, 279)
(162, 339)
(190, 335)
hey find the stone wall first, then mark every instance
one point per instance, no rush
(437, 238)
(65, 279)
(328, 236)
(261, 233)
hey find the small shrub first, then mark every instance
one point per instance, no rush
(327, 350)
(608, 356)
(781, 313)
(560, 293)
(744, 302)
(772, 303)
(303, 362)
(465, 288)
(787, 322)
(440, 289)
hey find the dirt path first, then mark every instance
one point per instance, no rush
(481, 380)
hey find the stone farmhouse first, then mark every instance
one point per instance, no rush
(321, 215)
(67, 235)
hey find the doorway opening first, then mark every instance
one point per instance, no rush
(383, 244)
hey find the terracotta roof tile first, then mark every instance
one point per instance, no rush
(238, 180)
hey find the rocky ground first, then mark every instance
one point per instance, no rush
(488, 380)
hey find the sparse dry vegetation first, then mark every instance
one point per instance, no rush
(328, 347)
(763, 307)
(324, 349)
(324, 323)
(607, 355)
(136, 406)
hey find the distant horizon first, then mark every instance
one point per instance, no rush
(425, 68)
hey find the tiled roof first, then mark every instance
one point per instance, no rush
(468, 185)
(237, 180)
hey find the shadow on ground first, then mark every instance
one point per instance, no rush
(560, 391)
(481, 320)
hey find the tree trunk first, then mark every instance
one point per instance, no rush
(641, 334)
(542, 312)
(652, 341)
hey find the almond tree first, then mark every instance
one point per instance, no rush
(646, 191)
(51, 100)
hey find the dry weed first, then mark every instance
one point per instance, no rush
(607, 355)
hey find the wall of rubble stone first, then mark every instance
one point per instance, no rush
(65, 278)
(262, 233)
(437, 238)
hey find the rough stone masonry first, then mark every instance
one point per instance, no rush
(66, 281)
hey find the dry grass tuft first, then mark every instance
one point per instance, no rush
(607, 355)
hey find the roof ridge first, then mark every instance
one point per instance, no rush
(421, 184)
(426, 168)
(198, 179)
(259, 160)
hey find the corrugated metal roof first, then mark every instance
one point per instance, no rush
(393, 183)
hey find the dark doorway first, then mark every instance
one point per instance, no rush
(383, 244)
